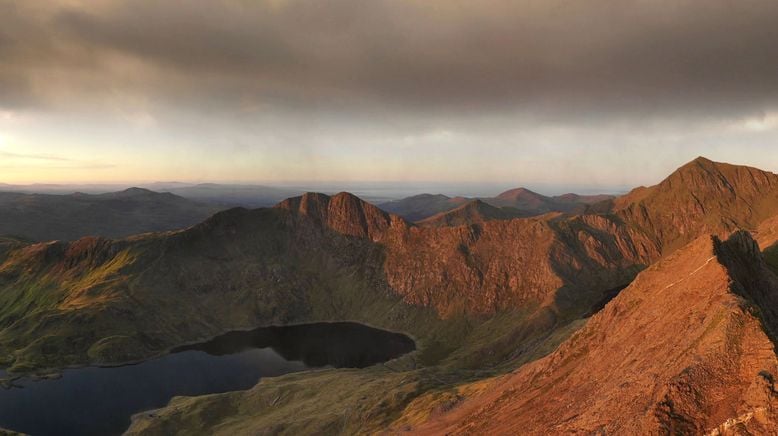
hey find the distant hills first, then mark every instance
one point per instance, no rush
(518, 202)
(472, 212)
(651, 313)
(419, 207)
(223, 195)
(44, 217)
(249, 196)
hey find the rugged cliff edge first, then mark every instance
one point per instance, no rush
(480, 299)
(685, 349)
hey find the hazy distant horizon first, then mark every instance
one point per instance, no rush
(370, 190)
(514, 93)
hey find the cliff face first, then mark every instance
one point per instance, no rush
(312, 256)
(701, 197)
(255, 267)
(681, 350)
(564, 263)
(344, 213)
(554, 261)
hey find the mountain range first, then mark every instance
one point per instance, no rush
(653, 312)
(44, 217)
(223, 195)
(520, 202)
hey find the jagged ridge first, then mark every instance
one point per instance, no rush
(679, 351)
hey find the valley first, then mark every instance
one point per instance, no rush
(490, 304)
(229, 362)
(388, 217)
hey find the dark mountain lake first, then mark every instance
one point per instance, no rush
(101, 400)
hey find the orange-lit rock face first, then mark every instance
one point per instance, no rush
(509, 264)
(679, 351)
(492, 265)
(701, 197)
(343, 213)
(479, 260)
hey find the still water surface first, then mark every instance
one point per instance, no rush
(101, 400)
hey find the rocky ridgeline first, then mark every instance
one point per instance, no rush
(682, 350)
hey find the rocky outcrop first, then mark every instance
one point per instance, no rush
(682, 350)
(685, 348)
(250, 267)
(555, 261)
(344, 213)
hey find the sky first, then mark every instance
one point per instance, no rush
(554, 94)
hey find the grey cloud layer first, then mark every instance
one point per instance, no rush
(549, 56)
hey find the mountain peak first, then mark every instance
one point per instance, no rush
(702, 160)
(702, 196)
(523, 198)
(135, 191)
(343, 212)
(473, 212)
(699, 163)
(519, 193)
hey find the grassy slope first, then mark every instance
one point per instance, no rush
(341, 401)
(116, 301)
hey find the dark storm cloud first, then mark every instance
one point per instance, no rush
(547, 56)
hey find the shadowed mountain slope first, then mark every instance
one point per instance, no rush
(682, 351)
(419, 207)
(472, 212)
(479, 298)
(315, 254)
(226, 195)
(496, 265)
(577, 199)
(44, 217)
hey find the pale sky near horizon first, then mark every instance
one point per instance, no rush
(596, 93)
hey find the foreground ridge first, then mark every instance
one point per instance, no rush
(684, 349)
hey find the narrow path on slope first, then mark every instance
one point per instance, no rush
(692, 273)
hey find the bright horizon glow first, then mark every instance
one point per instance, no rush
(425, 92)
(553, 158)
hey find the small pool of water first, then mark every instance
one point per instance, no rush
(101, 400)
